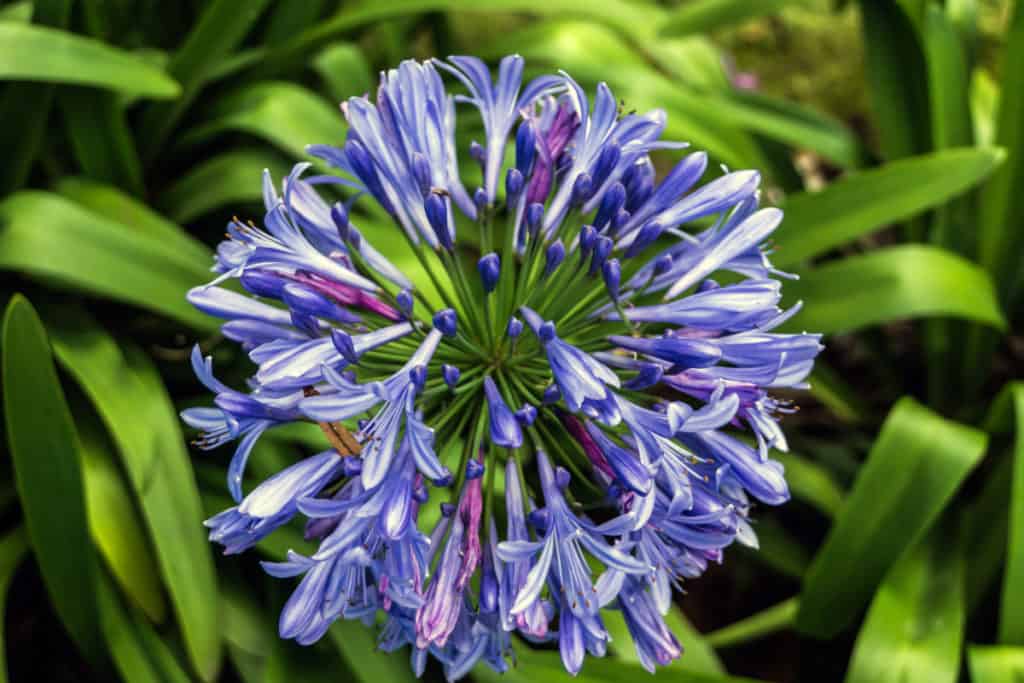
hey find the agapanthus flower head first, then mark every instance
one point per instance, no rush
(562, 346)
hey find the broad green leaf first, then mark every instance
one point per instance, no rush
(995, 664)
(133, 403)
(221, 27)
(12, 549)
(45, 451)
(698, 656)
(909, 281)
(358, 648)
(1007, 415)
(134, 215)
(913, 469)
(897, 78)
(100, 137)
(863, 202)
(915, 627)
(29, 104)
(284, 114)
(47, 236)
(344, 71)
(38, 53)
(701, 16)
(132, 644)
(1002, 202)
(766, 622)
(231, 178)
(114, 522)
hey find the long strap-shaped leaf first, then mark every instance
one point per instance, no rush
(913, 469)
(12, 549)
(47, 467)
(995, 664)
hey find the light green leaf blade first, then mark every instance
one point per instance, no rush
(38, 53)
(984, 101)
(861, 203)
(114, 522)
(811, 483)
(45, 451)
(133, 403)
(894, 283)
(344, 71)
(701, 16)
(995, 664)
(12, 549)
(50, 237)
(915, 626)
(20, 12)
(913, 469)
(224, 180)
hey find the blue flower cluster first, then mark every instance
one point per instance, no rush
(558, 390)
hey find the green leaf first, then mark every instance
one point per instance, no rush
(344, 71)
(358, 648)
(84, 251)
(133, 403)
(894, 283)
(995, 664)
(114, 522)
(20, 12)
(134, 215)
(38, 53)
(284, 114)
(764, 623)
(947, 80)
(912, 471)
(221, 28)
(12, 549)
(915, 626)
(100, 137)
(47, 467)
(702, 16)
(231, 178)
(897, 78)
(29, 104)
(137, 651)
(1002, 204)
(984, 101)
(1008, 414)
(861, 203)
(811, 483)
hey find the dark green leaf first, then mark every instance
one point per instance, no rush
(133, 403)
(913, 469)
(37, 53)
(12, 549)
(1008, 415)
(915, 626)
(17, 11)
(81, 250)
(100, 138)
(996, 664)
(909, 281)
(231, 178)
(861, 203)
(47, 466)
(766, 622)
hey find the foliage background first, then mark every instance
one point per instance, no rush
(891, 132)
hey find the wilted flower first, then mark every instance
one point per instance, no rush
(559, 348)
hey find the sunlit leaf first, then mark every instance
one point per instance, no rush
(995, 664)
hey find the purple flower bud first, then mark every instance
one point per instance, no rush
(263, 283)
(619, 221)
(362, 165)
(553, 257)
(306, 302)
(418, 376)
(707, 286)
(602, 248)
(526, 415)
(343, 343)
(437, 214)
(404, 301)
(582, 188)
(447, 509)
(355, 238)
(539, 519)
(446, 322)
(611, 271)
(639, 182)
(351, 466)
(489, 267)
(611, 203)
(339, 215)
(421, 172)
(514, 327)
(451, 375)
(546, 331)
(649, 375)
(513, 185)
(562, 477)
(588, 236)
(526, 148)
(474, 469)
(552, 395)
(504, 429)
(534, 218)
(480, 199)
(663, 264)
(477, 153)
(646, 237)
(605, 163)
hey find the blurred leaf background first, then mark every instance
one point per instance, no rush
(891, 132)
